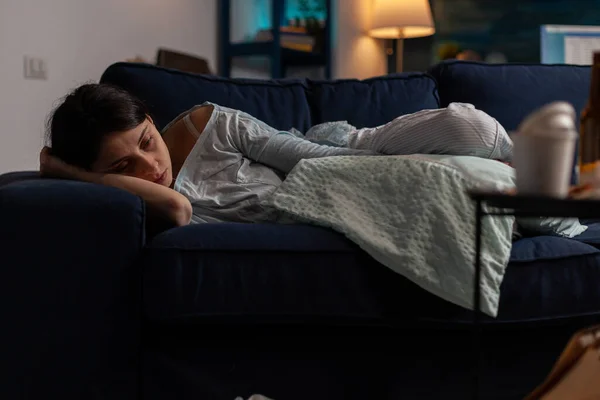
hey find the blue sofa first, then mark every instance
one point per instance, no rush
(95, 304)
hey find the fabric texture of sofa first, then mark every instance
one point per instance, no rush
(95, 307)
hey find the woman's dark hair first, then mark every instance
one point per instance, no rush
(86, 116)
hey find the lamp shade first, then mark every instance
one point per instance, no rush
(395, 19)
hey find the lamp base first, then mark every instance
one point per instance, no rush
(394, 51)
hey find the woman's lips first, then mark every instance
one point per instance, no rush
(162, 177)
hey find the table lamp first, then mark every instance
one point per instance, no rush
(397, 20)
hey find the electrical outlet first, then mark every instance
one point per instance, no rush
(35, 68)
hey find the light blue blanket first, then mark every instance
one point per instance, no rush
(411, 213)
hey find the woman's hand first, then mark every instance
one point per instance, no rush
(53, 167)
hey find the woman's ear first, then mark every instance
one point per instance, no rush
(150, 119)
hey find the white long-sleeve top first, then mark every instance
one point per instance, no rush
(238, 160)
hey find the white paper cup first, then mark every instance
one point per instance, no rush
(543, 164)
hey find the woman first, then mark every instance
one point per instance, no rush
(215, 164)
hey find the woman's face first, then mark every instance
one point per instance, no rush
(139, 152)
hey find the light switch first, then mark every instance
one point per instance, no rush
(35, 68)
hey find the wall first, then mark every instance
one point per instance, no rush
(356, 55)
(79, 39)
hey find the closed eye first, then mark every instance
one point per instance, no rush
(120, 168)
(146, 143)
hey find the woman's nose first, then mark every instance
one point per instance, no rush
(148, 165)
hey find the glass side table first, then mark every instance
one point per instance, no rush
(504, 205)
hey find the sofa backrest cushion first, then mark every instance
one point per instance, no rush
(280, 103)
(371, 102)
(509, 92)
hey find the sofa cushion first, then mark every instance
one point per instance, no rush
(592, 234)
(256, 270)
(371, 102)
(280, 103)
(297, 273)
(509, 92)
(551, 277)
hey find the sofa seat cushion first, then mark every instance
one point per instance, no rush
(280, 103)
(551, 277)
(275, 272)
(299, 273)
(371, 102)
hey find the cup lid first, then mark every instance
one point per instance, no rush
(555, 120)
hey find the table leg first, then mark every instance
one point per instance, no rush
(477, 301)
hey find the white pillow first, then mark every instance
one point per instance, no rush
(565, 227)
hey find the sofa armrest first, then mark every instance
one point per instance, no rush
(69, 290)
(11, 177)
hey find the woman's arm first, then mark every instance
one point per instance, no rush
(283, 151)
(280, 150)
(162, 202)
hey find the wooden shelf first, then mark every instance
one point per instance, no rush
(250, 49)
(281, 57)
(289, 57)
